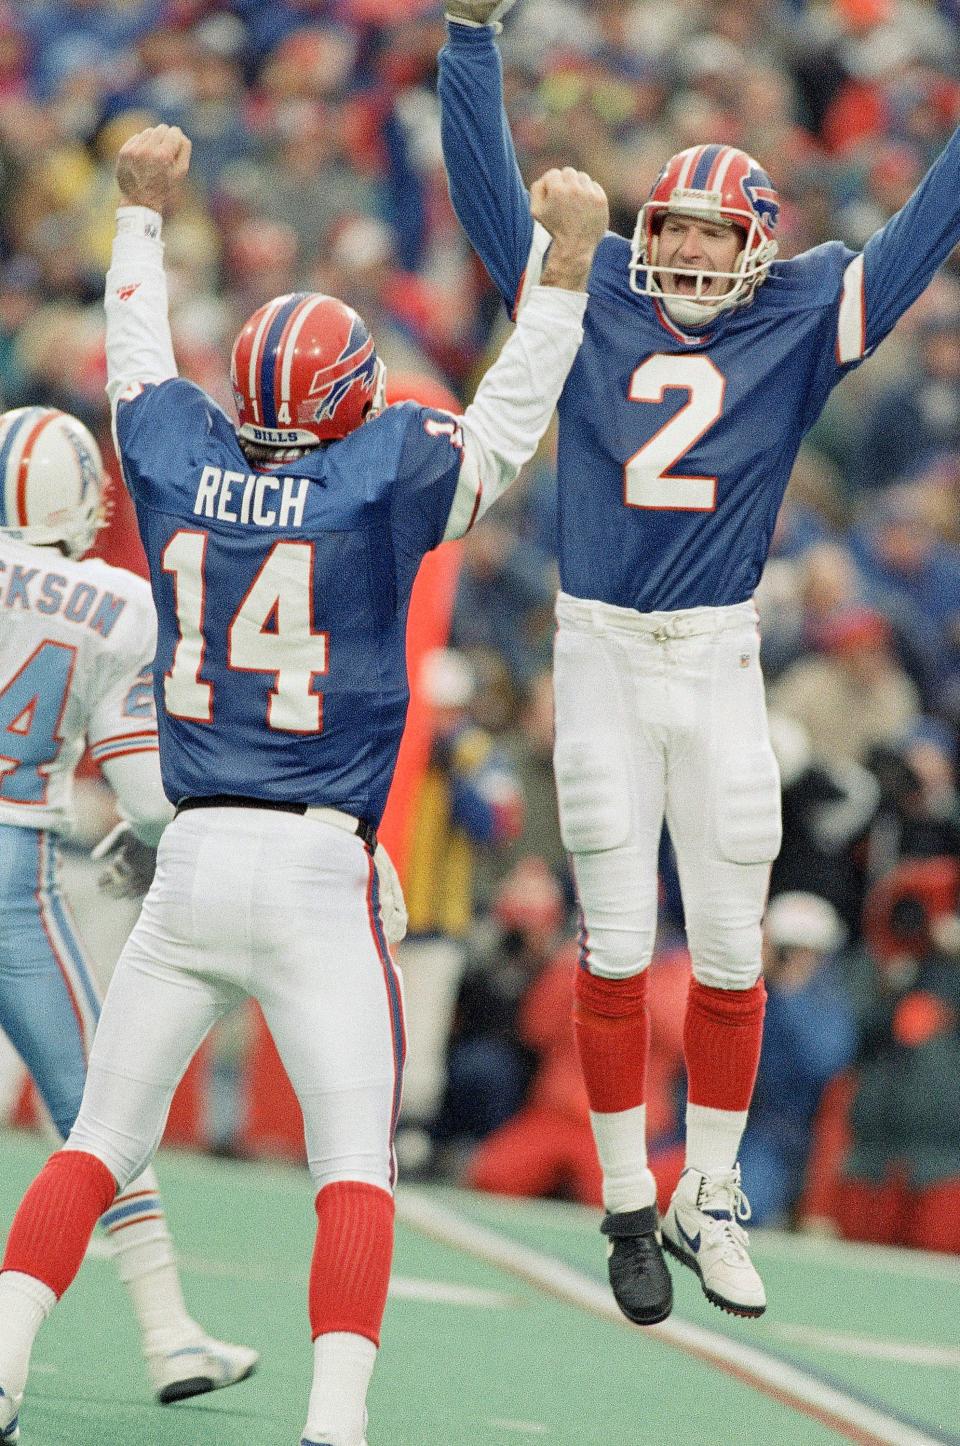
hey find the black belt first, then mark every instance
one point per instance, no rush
(364, 830)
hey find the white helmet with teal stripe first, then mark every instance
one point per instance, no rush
(51, 479)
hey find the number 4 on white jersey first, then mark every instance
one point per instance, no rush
(271, 632)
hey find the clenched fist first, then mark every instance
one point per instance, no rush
(574, 209)
(150, 164)
(478, 12)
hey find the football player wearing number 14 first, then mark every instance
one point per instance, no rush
(281, 562)
(704, 362)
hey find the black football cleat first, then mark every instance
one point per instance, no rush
(639, 1277)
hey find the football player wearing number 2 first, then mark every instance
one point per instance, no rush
(281, 560)
(704, 362)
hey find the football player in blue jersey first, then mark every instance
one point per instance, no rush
(76, 643)
(282, 556)
(704, 362)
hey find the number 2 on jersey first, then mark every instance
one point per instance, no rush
(648, 478)
(271, 632)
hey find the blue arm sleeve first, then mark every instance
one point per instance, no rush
(900, 259)
(486, 188)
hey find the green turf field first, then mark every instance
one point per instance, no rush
(500, 1330)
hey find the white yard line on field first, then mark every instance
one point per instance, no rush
(402, 1287)
(867, 1348)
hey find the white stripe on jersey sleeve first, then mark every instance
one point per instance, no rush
(851, 321)
(534, 267)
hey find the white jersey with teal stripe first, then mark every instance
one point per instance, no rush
(77, 641)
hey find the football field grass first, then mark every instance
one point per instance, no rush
(500, 1331)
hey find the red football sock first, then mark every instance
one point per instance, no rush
(722, 1034)
(350, 1271)
(52, 1228)
(612, 1025)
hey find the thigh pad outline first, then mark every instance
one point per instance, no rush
(748, 823)
(589, 760)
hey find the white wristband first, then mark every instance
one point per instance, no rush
(139, 221)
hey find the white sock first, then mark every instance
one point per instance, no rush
(621, 1140)
(713, 1138)
(25, 1303)
(342, 1366)
(143, 1252)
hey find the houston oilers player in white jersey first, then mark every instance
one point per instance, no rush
(704, 362)
(281, 560)
(76, 645)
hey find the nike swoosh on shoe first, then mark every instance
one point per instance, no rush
(692, 1240)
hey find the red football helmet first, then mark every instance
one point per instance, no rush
(304, 370)
(709, 183)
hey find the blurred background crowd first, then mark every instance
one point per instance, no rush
(317, 165)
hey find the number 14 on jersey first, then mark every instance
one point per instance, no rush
(270, 632)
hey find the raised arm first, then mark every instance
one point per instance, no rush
(900, 259)
(486, 188)
(515, 401)
(139, 349)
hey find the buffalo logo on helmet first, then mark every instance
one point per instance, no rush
(762, 199)
(356, 366)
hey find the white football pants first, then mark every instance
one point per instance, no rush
(284, 909)
(662, 715)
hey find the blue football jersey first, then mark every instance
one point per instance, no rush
(676, 446)
(282, 595)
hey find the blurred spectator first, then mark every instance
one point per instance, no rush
(504, 598)
(809, 1036)
(828, 809)
(914, 577)
(305, 178)
(468, 800)
(900, 1183)
(547, 1148)
(919, 813)
(530, 749)
(800, 593)
(854, 694)
(489, 1062)
(918, 417)
(19, 299)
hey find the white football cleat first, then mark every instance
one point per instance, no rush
(207, 1365)
(702, 1230)
(10, 1417)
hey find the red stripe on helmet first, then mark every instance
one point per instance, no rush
(25, 465)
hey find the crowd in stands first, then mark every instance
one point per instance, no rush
(317, 165)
